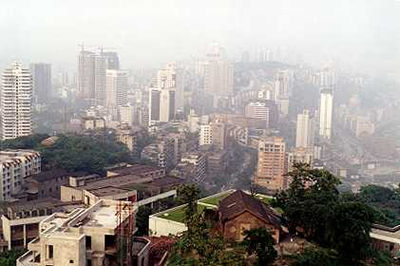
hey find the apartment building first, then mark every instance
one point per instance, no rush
(15, 166)
(16, 102)
(272, 164)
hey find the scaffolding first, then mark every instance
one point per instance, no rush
(124, 232)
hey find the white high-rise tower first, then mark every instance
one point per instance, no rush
(305, 130)
(325, 114)
(16, 102)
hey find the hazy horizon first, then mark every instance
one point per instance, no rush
(360, 34)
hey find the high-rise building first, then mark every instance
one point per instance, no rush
(263, 110)
(219, 135)
(325, 114)
(92, 68)
(272, 164)
(116, 88)
(171, 77)
(126, 114)
(16, 102)
(161, 104)
(41, 74)
(205, 136)
(214, 134)
(112, 60)
(217, 73)
(166, 94)
(305, 130)
(282, 91)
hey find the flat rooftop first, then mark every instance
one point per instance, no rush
(135, 169)
(117, 181)
(102, 214)
(110, 190)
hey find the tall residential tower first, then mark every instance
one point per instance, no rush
(16, 102)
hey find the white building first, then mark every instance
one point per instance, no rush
(15, 165)
(16, 102)
(263, 110)
(325, 114)
(126, 114)
(172, 77)
(116, 87)
(162, 106)
(305, 130)
(205, 137)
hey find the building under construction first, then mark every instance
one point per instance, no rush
(101, 234)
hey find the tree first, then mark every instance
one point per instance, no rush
(199, 245)
(260, 242)
(313, 205)
(189, 194)
(348, 229)
(142, 220)
(308, 201)
(8, 258)
(316, 256)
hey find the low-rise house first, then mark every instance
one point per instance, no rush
(47, 184)
(386, 239)
(237, 211)
(240, 211)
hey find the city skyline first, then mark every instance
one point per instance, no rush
(363, 44)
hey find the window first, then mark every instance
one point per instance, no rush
(71, 261)
(88, 242)
(50, 251)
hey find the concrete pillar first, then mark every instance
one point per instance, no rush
(25, 237)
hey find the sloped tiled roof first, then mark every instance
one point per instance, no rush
(239, 202)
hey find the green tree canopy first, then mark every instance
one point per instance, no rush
(260, 242)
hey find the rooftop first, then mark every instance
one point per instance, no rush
(135, 169)
(177, 214)
(48, 175)
(239, 202)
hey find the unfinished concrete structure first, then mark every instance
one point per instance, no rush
(86, 236)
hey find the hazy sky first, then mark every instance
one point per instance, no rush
(364, 33)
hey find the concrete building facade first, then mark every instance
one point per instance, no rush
(15, 166)
(16, 102)
(272, 164)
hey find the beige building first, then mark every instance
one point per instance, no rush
(116, 87)
(86, 236)
(215, 134)
(272, 164)
(91, 123)
(15, 166)
(217, 72)
(300, 155)
(20, 221)
(126, 114)
(127, 136)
